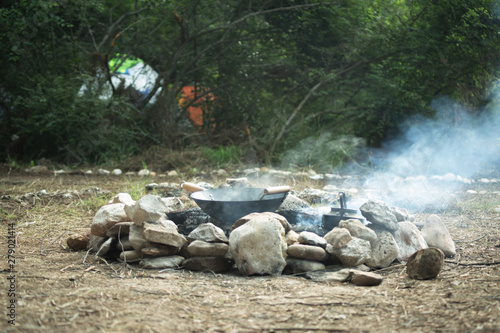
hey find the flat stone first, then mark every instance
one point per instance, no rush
(162, 262)
(158, 233)
(425, 264)
(200, 248)
(211, 264)
(309, 252)
(360, 278)
(310, 238)
(158, 250)
(335, 268)
(337, 276)
(301, 265)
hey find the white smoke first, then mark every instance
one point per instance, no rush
(435, 157)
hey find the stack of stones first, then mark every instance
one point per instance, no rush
(208, 250)
(138, 231)
(306, 252)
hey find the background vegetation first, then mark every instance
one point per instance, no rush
(287, 75)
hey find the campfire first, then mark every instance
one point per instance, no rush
(255, 231)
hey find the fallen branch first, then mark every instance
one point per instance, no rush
(474, 263)
(323, 329)
(42, 250)
(473, 239)
(390, 267)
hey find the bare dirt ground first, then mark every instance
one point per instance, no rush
(60, 290)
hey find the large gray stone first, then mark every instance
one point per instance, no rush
(208, 232)
(409, 240)
(148, 208)
(354, 253)
(380, 214)
(384, 250)
(106, 217)
(358, 229)
(259, 246)
(436, 235)
(338, 237)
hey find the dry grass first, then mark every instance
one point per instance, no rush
(60, 290)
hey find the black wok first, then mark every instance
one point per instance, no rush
(227, 205)
(336, 215)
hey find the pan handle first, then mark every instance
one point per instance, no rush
(343, 203)
(276, 189)
(192, 187)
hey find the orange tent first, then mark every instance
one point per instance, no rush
(196, 107)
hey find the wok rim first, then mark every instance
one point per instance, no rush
(258, 192)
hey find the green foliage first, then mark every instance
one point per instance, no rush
(228, 155)
(284, 70)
